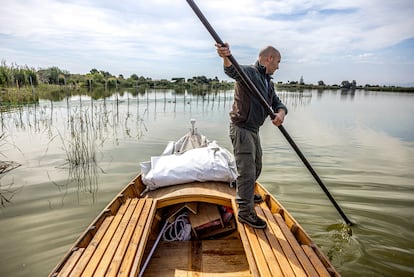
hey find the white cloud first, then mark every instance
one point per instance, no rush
(164, 37)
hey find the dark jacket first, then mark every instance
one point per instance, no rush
(247, 111)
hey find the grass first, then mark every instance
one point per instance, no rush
(6, 192)
(81, 150)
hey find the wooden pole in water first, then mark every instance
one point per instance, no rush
(31, 85)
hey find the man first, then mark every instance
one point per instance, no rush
(246, 117)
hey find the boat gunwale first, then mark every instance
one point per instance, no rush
(297, 230)
(110, 209)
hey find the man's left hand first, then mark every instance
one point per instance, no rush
(280, 117)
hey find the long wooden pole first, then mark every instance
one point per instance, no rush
(252, 88)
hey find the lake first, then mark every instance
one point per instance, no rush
(361, 144)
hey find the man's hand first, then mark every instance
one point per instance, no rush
(224, 51)
(280, 117)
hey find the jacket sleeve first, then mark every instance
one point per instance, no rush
(232, 73)
(277, 103)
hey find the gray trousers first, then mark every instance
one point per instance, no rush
(248, 156)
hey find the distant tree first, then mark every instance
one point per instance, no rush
(200, 80)
(346, 84)
(321, 83)
(134, 77)
(301, 82)
(111, 82)
(94, 71)
(5, 74)
(106, 74)
(19, 77)
(97, 76)
(32, 77)
(353, 84)
(50, 75)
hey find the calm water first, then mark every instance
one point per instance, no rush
(361, 145)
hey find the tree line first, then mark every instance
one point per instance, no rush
(15, 75)
(21, 76)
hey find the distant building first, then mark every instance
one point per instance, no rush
(178, 80)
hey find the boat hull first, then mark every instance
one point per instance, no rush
(124, 239)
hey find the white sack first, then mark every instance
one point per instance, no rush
(211, 163)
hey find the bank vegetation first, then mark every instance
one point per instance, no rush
(23, 84)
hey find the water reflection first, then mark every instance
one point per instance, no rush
(81, 148)
(295, 99)
(84, 123)
(7, 191)
(43, 112)
(347, 93)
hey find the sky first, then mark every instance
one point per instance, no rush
(369, 41)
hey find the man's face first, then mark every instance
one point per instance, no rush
(273, 64)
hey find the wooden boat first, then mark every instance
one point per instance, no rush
(126, 237)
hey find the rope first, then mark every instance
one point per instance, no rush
(178, 230)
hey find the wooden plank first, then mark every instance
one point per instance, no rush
(123, 245)
(100, 251)
(316, 262)
(211, 192)
(268, 242)
(276, 207)
(195, 261)
(136, 247)
(87, 254)
(268, 253)
(307, 265)
(170, 259)
(199, 258)
(71, 262)
(116, 238)
(287, 250)
(271, 230)
(248, 250)
(224, 257)
(258, 254)
(246, 244)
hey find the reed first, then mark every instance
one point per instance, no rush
(6, 191)
(82, 152)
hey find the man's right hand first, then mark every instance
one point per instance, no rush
(224, 52)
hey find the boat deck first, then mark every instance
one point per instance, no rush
(116, 244)
(275, 251)
(224, 257)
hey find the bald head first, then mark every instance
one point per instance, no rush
(268, 51)
(270, 58)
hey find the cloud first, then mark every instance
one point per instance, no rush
(164, 38)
